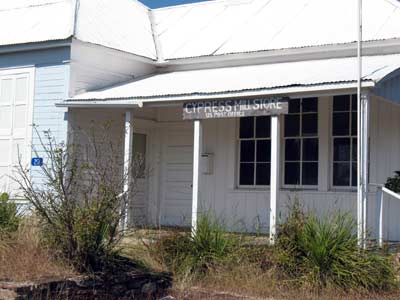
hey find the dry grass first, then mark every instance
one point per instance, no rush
(24, 258)
(247, 280)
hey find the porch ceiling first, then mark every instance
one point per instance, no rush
(279, 78)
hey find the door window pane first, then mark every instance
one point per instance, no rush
(263, 151)
(139, 153)
(246, 127)
(294, 106)
(341, 174)
(292, 173)
(354, 103)
(310, 173)
(354, 174)
(341, 123)
(263, 174)
(354, 123)
(310, 105)
(247, 151)
(341, 103)
(341, 149)
(246, 174)
(310, 149)
(292, 125)
(263, 127)
(354, 149)
(292, 149)
(309, 125)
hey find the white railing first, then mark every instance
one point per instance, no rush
(380, 196)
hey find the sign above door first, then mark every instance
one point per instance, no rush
(217, 109)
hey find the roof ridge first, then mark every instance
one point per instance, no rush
(202, 2)
(142, 4)
(48, 2)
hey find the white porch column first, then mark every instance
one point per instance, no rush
(197, 148)
(128, 148)
(362, 167)
(274, 185)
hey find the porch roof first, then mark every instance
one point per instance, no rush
(241, 81)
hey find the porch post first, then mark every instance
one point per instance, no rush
(197, 147)
(365, 158)
(274, 184)
(128, 147)
(362, 167)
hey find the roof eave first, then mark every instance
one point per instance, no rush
(36, 45)
(292, 92)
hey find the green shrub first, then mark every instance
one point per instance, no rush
(393, 183)
(9, 217)
(324, 253)
(200, 251)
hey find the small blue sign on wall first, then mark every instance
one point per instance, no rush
(37, 162)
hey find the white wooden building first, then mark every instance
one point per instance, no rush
(244, 168)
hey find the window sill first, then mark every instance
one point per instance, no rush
(290, 190)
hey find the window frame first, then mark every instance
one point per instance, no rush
(238, 151)
(301, 138)
(349, 187)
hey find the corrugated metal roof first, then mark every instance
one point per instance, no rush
(261, 78)
(203, 29)
(123, 25)
(232, 26)
(23, 21)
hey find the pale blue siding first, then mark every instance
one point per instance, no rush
(52, 71)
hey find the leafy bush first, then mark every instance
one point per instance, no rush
(393, 183)
(9, 217)
(324, 253)
(78, 205)
(200, 251)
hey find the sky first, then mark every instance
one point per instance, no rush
(163, 3)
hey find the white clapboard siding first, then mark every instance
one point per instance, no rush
(248, 209)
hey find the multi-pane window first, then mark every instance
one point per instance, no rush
(255, 151)
(344, 134)
(301, 143)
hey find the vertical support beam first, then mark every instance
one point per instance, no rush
(365, 99)
(197, 148)
(360, 209)
(379, 215)
(128, 150)
(274, 185)
(362, 166)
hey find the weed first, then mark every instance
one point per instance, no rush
(9, 217)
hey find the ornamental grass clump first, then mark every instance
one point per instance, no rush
(324, 253)
(199, 251)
